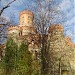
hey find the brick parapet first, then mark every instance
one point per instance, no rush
(69, 42)
(27, 12)
(14, 27)
(56, 26)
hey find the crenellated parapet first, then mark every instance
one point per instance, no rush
(56, 31)
(56, 27)
(14, 30)
(69, 42)
(26, 12)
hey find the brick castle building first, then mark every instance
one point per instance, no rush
(59, 45)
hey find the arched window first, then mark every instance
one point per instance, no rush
(20, 33)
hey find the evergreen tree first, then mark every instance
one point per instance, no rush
(24, 60)
(10, 57)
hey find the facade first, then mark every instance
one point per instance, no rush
(61, 47)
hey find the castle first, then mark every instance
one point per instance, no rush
(26, 30)
(57, 42)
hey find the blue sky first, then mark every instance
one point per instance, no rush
(65, 6)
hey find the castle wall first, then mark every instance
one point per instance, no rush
(27, 30)
(14, 32)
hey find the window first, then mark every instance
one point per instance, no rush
(22, 22)
(29, 18)
(23, 17)
(28, 21)
(20, 33)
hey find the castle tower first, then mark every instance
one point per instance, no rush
(26, 22)
(55, 43)
(13, 31)
(56, 30)
(56, 37)
(61, 49)
(26, 18)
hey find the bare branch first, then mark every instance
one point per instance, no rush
(8, 5)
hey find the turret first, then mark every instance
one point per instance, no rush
(56, 37)
(26, 18)
(13, 31)
(56, 29)
(26, 22)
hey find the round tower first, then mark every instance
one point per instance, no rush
(26, 18)
(26, 22)
(56, 30)
(56, 38)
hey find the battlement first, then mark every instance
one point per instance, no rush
(14, 27)
(56, 26)
(29, 28)
(26, 12)
(69, 42)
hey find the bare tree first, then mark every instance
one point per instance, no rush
(4, 22)
(46, 15)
